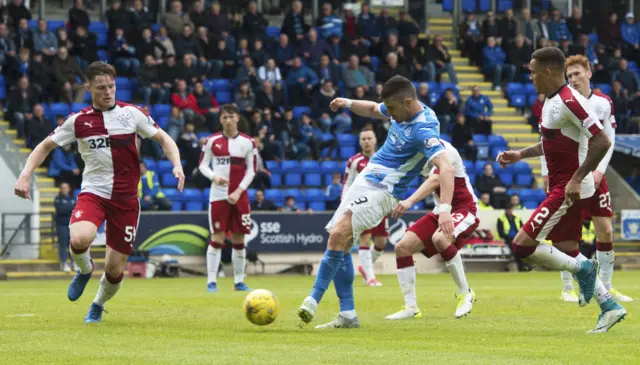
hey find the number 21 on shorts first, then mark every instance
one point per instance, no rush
(605, 200)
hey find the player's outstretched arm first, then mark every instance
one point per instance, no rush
(37, 156)
(510, 157)
(364, 108)
(445, 222)
(425, 189)
(173, 154)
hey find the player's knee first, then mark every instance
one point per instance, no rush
(403, 248)
(79, 241)
(604, 230)
(440, 241)
(379, 243)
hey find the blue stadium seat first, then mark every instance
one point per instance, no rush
(101, 39)
(272, 32)
(445, 137)
(224, 97)
(205, 194)
(605, 88)
(273, 166)
(527, 194)
(169, 180)
(531, 99)
(593, 38)
(276, 179)
(375, 63)
(216, 85)
(347, 151)
(290, 166)
(59, 109)
(472, 179)
(293, 179)
(479, 138)
(76, 192)
(515, 88)
(496, 150)
(496, 140)
(274, 195)
(193, 206)
(330, 167)
(529, 89)
(539, 194)
(203, 134)
(468, 6)
(347, 139)
(480, 166)
(76, 107)
(310, 166)
(506, 178)
(530, 204)
(251, 194)
(174, 196)
(524, 179)
(313, 179)
(504, 5)
(521, 167)
(314, 195)
(97, 27)
(317, 206)
(518, 100)
(191, 195)
(328, 178)
(469, 166)
(163, 122)
(484, 6)
(124, 95)
(123, 83)
(299, 110)
(151, 164)
(52, 25)
(164, 166)
(447, 5)
(295, 193)
(418, 206)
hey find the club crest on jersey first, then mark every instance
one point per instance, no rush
(123, 119)
(407, 132)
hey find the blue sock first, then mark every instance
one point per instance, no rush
(343, 282)
(328, 266)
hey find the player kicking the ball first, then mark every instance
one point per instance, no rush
(573, 146)
(234, 157)
(598, 206)
(107, 141)
(366, 253)
(425, 236)
(412, 142)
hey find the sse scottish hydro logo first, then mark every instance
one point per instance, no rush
(181, 239)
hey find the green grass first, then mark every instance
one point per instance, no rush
(518, 319)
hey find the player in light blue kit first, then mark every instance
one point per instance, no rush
(412, 142)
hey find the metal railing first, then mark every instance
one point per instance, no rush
(18, 229)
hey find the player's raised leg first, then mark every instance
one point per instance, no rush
(83, 233)
(406, 271)
(606, 255)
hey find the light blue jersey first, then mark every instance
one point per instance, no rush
(408, 147)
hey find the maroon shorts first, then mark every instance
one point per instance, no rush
(231, 218)
(464, 223)
(122, 219)
(381, 230)
(555, 221)
(599, 205)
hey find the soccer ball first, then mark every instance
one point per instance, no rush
(261, 307)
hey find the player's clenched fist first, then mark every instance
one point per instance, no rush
(508, 158)
(219, 180)
(179, 175)
(339, 103)
(23, 188)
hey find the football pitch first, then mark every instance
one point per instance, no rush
(518, 319)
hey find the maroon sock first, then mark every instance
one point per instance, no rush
(365, 248)
(78, 251)
(113, 280)
(573, 253)
(238, 246)
(449, 253)
(604, 246)
(523, 251)
(216, 244)
(403, 262)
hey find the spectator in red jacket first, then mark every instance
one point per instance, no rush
(187, 102)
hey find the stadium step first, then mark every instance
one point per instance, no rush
(466, 92)
(509, 128)
(38, 265)
(439, 22)
(460, 69)
(464, 77)
(505, 111)
(50, 274)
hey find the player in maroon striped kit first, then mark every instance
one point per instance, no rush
(107, 139)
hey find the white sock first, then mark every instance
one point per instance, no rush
(407, 280)
(213, 263)
(239, 259)
(375, 254)
(83, 261)
(567, 277)
(606, 260)
(456, 269)
(367, 264)
(554, 259)
(349, 314)
(106, 291)
(601, 294)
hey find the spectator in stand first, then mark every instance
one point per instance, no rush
(141, 19)
(208, 107)
(447, 109)
(351, 46)
(21, 101)
(118, 17)
(530, 28)
(508, 226)
(247, 72)
(423, 94)
(508, 26)
(185, 101)
(269, 97)
(313, 48)
(149, 193)
(609, 33)
(490, 183)
(620, 100)
(78, 16)
(584, 48)
(219, 25)
(258, 54)
(392, 68)
(175, 124)
(147, 45)
(289, 130)
(329, 24)
(63, 167)
(64, 204)
(166, 42)
(24, 36)
(407, 26)
(44, 41)
(485, 202)
(491, 28)
(478, 110)
(273, 148)
(558, 27)
(40, 74)
(630, 32)
(576, 24)
(470, 38)
(188, 71)
(190, 149)
(290, 205)
(208, 45)
(628, 78)
(300, 81)
(443, 60)
(225, 59)
(245, 98)
(514, 200)
(462, 139)
(333, 192)
(176, 19)
(16, 11)
(354, 76)
(519, 55)
(17, 67)
(536, 112)
(284, 53)
(321, 111)
(254, 23)
(168, 71)
(634, 179)
(309, 137)
(416, 53)
(294, 26)
(262, 204)
(543, 26)
(606, 62)
(38, 128)
(63, 38)
(493, 65)
(387, 23)
(327, 70)
(392, 45)
(368, 25)
(84, 47)
(124, 54)
(197, 15)
(188, 44)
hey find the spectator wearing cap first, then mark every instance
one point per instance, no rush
(519, 55)
(609, 33)
(176, 19)
(313, 48)
(630, 32)
(253, 22)
(478, 109)
(294, 26)
(166, 42)
(493, 63)
(321, 111)
(367, 24)
(558, 27)
(300, 82)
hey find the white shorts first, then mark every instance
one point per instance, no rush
(368, 203)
